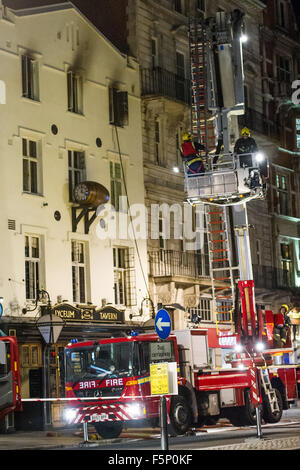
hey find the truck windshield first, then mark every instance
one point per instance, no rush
(109, 360)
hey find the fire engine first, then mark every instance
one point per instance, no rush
(109, 379)
(10, 391)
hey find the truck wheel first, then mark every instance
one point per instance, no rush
(180, 415)
(109, 430)
(274, 417)
(243, 415)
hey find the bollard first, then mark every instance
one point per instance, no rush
(163, 423)
(258, 422)
(85, 429)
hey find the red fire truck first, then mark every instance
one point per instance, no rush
(110, 382)
(10, 391)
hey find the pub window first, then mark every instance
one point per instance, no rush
(74, 88)
(124, 276)
(32, 266)
(118, 107)
(79, 271)
(77, 170)
(31, 166)
(30, 87)
(31, 355)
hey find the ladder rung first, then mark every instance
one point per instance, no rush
(221, 249)
(216, 231)
(221, 278)
(217, 241)
(221, 259)
(227, 268)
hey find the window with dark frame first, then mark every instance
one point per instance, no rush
(32, 266)
(115, 184)
(281, 195)
(124, 276)
(118, 107)
(78, 271)
(77, 170)
(30, 88)
(286, 263)
(157, 148)
(30, 165)
(74, 88)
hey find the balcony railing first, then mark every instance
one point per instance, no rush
(259, 123)
(158, 81)
(178, 263)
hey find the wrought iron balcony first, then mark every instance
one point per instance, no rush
(178, 263)
(158, 81)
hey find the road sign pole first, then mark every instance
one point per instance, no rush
(163, 423)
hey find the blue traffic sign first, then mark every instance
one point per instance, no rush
(163, 324)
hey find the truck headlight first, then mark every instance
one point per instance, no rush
(259, 346)
(135, 410)
(69, 415)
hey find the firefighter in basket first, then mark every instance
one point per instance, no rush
(249, 157)
(190, 153)
(282, 324)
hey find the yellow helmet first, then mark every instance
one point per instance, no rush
(286, 307)
(246, 131)
(186, 136)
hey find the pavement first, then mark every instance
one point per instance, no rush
(73, 438)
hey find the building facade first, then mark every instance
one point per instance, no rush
(72, 114)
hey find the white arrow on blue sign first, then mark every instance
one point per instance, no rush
(163, 324)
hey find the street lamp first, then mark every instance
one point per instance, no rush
(141, 309)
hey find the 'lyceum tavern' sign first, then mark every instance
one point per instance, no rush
(106, 314)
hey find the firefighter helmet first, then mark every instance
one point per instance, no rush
(186, 136)
(286, 307)
(245, 131)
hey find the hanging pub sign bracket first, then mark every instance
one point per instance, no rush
(78, 212)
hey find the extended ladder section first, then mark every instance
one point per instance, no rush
(221, 269)
(202, 85)
(269, 390)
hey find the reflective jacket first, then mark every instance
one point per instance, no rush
(245, 146)
(188, 148)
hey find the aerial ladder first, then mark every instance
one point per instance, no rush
(223, 190)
